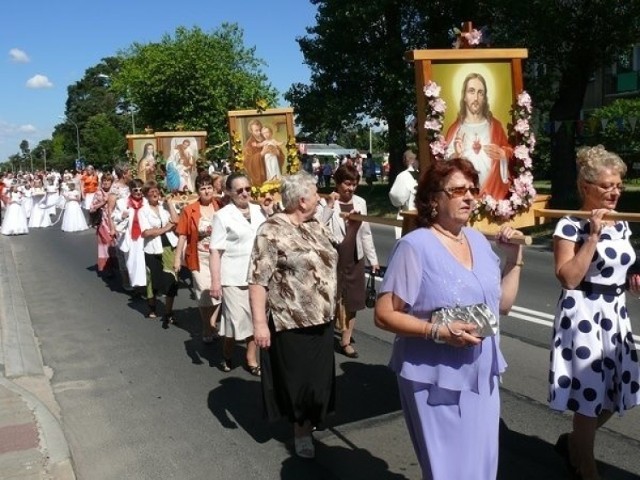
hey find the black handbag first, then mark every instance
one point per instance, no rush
(95, 218)
(370, 291)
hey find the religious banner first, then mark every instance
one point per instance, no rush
(263, 144)
(179, 154)
(471, 103)
(142, 150)
(170, 158)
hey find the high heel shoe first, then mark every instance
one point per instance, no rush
(562, 448)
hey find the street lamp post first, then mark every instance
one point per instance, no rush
(77, 134)
(370, 139)
(133, 121)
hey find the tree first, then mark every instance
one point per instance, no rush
(41, 152)
(620, 132)
(567, 41)
(25, 151)
(104, 140)
(356, 55)
(86, 99)
(190, 81)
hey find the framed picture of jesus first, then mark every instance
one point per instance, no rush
(479, 88)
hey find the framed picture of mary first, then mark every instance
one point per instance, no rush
(180, 152)
(263, 136)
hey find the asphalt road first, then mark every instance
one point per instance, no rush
(139, 401)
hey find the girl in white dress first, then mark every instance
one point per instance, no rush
(52, 197)
(73, 220)
(27, 201)
(15, 220)
(39, 213)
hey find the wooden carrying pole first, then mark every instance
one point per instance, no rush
(524, 240)
(617, 216)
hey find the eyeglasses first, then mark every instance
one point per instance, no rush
(245, 189)
(136, 190)
(609, 188)
(457, 192)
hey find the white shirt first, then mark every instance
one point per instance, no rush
(150, 219)
(233, 235)
(403, 190)
(403, 193)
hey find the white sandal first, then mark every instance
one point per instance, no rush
(304, 447)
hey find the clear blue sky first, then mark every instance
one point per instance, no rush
(46, 45)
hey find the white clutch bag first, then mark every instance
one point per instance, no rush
(479, 315)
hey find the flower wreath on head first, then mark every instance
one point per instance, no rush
(521, 191)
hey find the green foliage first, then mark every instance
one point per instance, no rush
(89, 97)
(57, 158)
(621, 133)
(190, 80)
(104, 140)
(355, 53)
(568, 40)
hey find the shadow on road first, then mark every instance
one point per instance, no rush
(362, 391)
(525, 457)
(333, 462)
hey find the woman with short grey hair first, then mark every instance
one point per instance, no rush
(292, 275)
(294, 187)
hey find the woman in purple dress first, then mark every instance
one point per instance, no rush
(448, 377)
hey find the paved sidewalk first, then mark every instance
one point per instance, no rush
(32, 443)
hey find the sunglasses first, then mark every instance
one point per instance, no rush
(457, 192)
(245, 189)
(136, 190)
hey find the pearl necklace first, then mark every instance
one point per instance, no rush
(458, 239)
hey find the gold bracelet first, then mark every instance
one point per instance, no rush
(517, 264)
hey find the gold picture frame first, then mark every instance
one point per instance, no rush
(499, 73)
(261, 137)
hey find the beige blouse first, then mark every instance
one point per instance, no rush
(297, 266)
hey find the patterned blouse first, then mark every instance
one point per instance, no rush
(204, 234)
(297, 266)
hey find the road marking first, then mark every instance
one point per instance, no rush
(541, 318)
(533, 312)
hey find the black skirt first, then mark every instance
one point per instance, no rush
(163, 282)
(299, 375)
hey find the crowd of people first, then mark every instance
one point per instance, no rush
(284, 276)
(41, 199)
